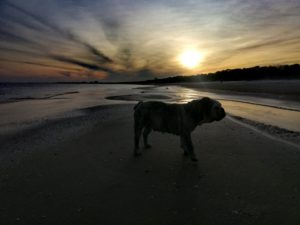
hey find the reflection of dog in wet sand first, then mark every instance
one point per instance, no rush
(178, 119)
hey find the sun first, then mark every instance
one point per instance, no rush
(190, 58)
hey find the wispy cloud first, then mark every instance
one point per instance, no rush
(81, 63)
(127, 39)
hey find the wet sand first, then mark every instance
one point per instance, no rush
(89, 175)
(282, 89)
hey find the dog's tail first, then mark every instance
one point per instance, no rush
(138, 104)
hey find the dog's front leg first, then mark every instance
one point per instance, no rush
(189, 146)
(137, 133)
(146, 133)
(183, 145)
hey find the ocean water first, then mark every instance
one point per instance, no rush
(24, 106)
(25, 91)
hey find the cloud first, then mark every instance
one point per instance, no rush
(37, 64)
(60, 32)
(262, 44)
(129, 39)
(11, 37)
(41, 34)
(37, 18)
(102, 57)
(145, 74)
(80, 63)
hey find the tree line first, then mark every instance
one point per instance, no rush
(252, 73)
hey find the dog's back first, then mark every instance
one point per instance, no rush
(159, 116)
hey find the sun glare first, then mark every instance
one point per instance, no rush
(190, 58)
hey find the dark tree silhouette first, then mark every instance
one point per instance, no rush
(253, 73)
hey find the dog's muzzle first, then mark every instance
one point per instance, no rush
(221, 115)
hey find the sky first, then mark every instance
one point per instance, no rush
(125, 40)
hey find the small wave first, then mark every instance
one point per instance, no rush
(273, 132)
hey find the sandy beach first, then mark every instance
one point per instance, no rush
(81, 82)
(87, 174)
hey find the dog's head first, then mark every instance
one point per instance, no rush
(217, 112)
(206, 110)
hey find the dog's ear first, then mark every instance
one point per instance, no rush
(206, 104)
(200, 109)
(196, 110)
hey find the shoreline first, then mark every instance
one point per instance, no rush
(276, 133)
(292, 137)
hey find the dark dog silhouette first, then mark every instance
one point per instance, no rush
(178, 119)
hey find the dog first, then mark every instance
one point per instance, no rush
(178, 119)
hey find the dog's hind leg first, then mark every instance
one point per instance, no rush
(189, 146)
(183, 146)
(138, 127)
(146, 133)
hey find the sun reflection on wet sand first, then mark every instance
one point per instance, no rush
(187, 95)
(178, 94)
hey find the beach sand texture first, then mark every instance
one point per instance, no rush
(91, 176)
